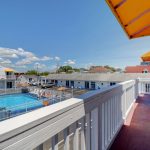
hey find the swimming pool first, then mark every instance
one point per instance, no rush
(15, 104)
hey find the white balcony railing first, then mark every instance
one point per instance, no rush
(144, 86)
(7, 77)
(10, 76)
(90, 122)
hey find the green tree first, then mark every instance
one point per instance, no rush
(31, 72)
(46, 73)
(64, 69)
(34, 72)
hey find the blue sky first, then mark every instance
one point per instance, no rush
(80, 33)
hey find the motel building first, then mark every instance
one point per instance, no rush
(81, 80)
(7, 78)
(92, 81)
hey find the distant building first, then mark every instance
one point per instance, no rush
(23, 79)
(7, 78)
(98, 69)
(92, 80)
(144, 67)
(29, 79)
(138, 69)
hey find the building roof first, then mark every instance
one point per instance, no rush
(98, 69)
(137, 69)
(28, 76)
(133, 15)
(118, 77)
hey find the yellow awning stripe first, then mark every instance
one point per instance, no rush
(133, 15)
(9, 70)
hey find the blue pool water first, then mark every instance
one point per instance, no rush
(19, 102)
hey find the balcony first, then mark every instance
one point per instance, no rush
(11, 77)
(96, 121)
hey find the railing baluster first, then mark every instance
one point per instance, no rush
(108, 133)
(103, 126)
(94, 129)
(55, 142)
(82, 135)
(88, 131)
(76, 136)
(66, 139)
(111, 118)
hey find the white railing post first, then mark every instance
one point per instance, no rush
(83, 147)
(66, 139)
(76, 136)
(88, 131)
(94, 129)
(55, 142)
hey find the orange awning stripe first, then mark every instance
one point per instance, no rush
(133, 15)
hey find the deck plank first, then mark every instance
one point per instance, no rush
(135, 134)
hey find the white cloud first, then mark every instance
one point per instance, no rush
(23, 62)
(8, 53)
(26, 57)
(20, 58)
(57, 58)
(5, 61)
(70, 62)
(46, 58)
(41, 67)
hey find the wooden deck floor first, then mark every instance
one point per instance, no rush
(135, 134)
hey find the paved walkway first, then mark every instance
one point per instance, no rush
(135, 134)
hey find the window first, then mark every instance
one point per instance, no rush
(112, 83)
(145, 71)
(9, 84)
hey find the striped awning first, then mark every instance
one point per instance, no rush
(146, 56)
(133, 15)
(8, 70)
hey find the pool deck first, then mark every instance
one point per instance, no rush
(135, 134)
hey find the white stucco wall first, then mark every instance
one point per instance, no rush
(2, 84)
(61, 83)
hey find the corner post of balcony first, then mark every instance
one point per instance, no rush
(137, 87)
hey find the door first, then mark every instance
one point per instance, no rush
(67, 83)
(87, 85)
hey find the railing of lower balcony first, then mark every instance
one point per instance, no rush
(7, 77)
(144, 86)
(88, 123)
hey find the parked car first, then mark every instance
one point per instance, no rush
(34, 84)
(48, 85)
